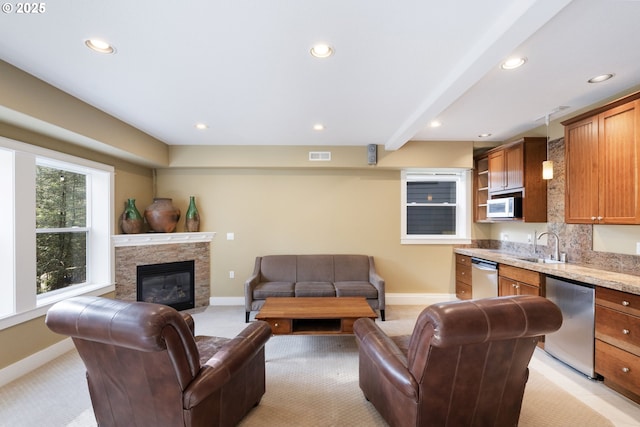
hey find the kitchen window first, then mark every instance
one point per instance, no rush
(436, 206)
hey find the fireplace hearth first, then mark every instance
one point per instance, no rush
(170, 283)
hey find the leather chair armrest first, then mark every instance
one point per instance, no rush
(189, 321)
(388, 358)
(226, 363)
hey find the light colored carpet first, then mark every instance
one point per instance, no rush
(311, 381)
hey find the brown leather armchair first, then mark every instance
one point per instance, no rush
(146, 368)
(465, 363)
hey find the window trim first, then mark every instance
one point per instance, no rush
(26, 303)
(463, 205)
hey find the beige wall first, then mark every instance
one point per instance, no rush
(285, 208)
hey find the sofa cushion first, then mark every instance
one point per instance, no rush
(278, 268)
(351, 268)
(315, 289)
(315, 268)
(356, 289)
(273, 289)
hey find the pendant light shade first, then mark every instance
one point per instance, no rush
(547, 169)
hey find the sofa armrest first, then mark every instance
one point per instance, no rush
(251, 283)
(226, 363)
(377, 282)
(389, 360)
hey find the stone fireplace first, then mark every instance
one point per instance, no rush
(139, 250)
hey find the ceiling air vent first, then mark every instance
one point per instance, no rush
(320, 156)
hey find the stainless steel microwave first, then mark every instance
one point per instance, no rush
(505, 207)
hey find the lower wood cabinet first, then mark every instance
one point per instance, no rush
(618, 340)
(519, 281)
(463, 277)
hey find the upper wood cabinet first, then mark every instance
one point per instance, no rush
(602, 165)
(513, 169)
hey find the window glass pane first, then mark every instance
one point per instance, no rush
(61, 260)
(61, 198)
(431, 192)
(436, 220)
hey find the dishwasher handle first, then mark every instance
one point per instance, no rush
(483, 264)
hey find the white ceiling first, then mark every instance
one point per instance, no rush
(243, 67)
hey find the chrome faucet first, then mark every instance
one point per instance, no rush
(556, 253)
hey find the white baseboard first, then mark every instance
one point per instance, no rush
(391, 299)
(30, 363)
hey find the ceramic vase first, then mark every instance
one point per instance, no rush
(131, 222)
(162, 216)
(192, 218)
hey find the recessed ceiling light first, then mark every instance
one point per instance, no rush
(435, 124)
(600, 78)
(321, 50)
(513, 63)
(484, 135)
(318, 127)
(99, 46)
(201, 126)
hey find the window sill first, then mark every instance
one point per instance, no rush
(45, 303)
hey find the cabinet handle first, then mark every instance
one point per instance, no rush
(625, 369)
(625, 331)
(593, 218)
(625, 303)
(276, 325)
(599, 218)
(462, 273)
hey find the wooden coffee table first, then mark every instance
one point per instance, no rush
(311, 315)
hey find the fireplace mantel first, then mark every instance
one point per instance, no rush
(144, 239)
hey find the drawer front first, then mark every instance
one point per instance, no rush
(280, 326)
(520, 274)
(619, 329)
(621, 301)
(463, 274)
(463, 291)
(618, 366)
(463, 259)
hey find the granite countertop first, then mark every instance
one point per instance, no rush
(581, 273)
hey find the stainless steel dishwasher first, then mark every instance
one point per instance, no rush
(574, 342)
(484, 278)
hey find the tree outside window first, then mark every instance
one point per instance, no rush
(61, 228)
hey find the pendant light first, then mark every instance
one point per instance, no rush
(547, 165)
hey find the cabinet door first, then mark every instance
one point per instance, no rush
(618, 165)
(514, 165)
(497, 173)
(581, 175)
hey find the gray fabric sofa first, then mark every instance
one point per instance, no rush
(313, 276)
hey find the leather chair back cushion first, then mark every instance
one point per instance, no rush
(278, 268)
(141, 327)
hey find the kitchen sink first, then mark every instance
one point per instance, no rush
(540, 260)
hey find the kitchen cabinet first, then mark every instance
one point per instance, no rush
(602, 159)
(519, 281)
(463, 277)
(513, 170)
(481, 188)
(617, 347)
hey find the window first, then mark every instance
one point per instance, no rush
(435, 206)
(59, 218)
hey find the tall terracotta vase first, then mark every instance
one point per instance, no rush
(192, 218)
(131, 222)
(162, 216)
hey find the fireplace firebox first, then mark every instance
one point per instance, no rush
(170, 283)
